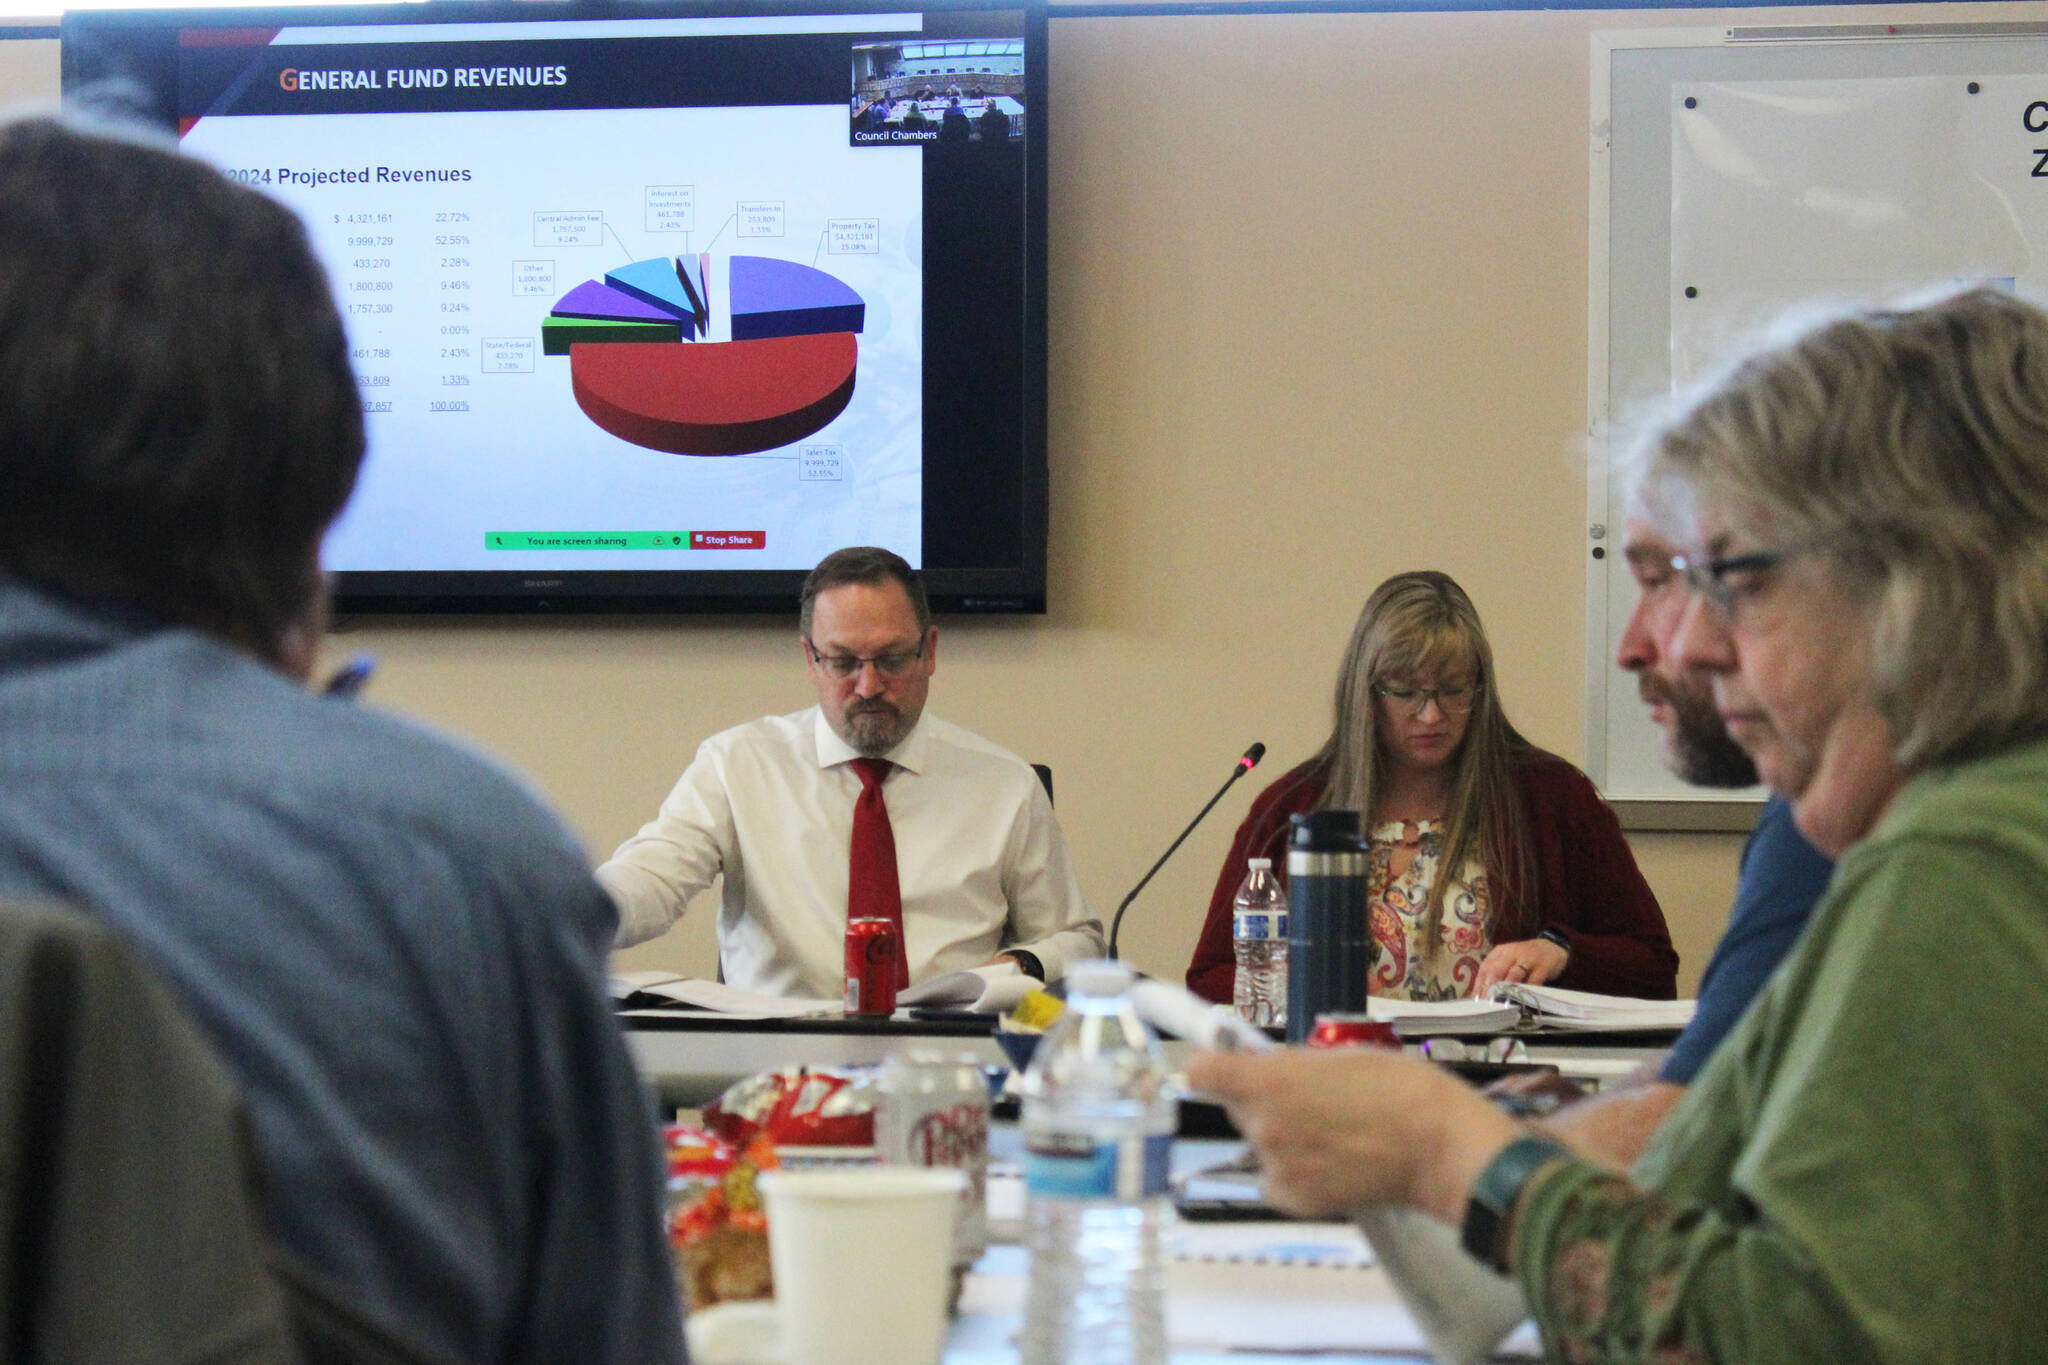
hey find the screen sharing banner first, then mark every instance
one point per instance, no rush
(610, 304)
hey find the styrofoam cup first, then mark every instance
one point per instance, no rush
(862, 1260)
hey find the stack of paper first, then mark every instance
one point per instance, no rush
(1429, 1018)
(1511, 1007)
(1553, 1008)
(672, 990)
(990, 990)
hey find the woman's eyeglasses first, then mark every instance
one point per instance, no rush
(1709, 577)
(1452, 701)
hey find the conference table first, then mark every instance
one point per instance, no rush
(689, 1057)
(1283, 1293)
(1224, 1313)
(1280, 1292)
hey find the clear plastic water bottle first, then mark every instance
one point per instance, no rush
(1258, 922)
(1098, 1124)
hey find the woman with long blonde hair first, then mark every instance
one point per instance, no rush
(1492, 860)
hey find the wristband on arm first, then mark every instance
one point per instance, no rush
(1027, 961)
(1494, 1194)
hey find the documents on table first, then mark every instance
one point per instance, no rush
(992, 989)
(658, 989)
(996, 988)
(1464, 1308)
(1511, 1007)
(1554, 1008)
(1282, 1306)
(1421, 1018)
(1328, 1246)
(1239, 1306)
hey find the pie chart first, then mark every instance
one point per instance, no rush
(693, 356)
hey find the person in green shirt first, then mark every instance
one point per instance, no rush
(1860, 1172)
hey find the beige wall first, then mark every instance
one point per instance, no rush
(1318, 315)
(1318, 310)
(28, 72)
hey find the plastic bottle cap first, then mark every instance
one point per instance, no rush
(1262, 864)
(1099, 977)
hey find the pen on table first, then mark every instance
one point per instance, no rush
(350, 678)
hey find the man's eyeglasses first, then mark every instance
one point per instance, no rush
(1452, 701)
(1709, 577)
(893, 665)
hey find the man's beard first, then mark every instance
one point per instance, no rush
(874, 727)
(1701, 751)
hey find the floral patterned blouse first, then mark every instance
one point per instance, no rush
(1397, 905)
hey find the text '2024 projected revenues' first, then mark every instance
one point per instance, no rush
(661, 357)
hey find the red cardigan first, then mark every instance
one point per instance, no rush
(1588, 885)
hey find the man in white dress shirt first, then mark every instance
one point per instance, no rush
(982, 867)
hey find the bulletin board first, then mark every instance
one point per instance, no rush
(1743, 178)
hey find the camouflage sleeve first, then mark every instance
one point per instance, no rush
(1612, 1273)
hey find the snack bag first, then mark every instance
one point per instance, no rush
(717, 1229)
(797, 1106)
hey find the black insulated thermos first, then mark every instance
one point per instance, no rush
(1329, 931)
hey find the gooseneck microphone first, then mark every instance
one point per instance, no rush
(1245, 764)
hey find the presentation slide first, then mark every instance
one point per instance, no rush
(607, 309)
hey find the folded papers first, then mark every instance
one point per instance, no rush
(996, 988)
(673, 990)
(1424, 1018)
(1554, 1008)
(1511, 1007)
(993, 989)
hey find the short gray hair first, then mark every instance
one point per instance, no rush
(1910, 446)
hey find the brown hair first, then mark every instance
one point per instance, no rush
(178, 419)
(868, 564)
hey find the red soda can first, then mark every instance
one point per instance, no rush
(1352, 1030)
(870, 967)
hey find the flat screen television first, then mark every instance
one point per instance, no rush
(650, 308)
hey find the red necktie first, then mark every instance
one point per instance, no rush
(871, 886)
